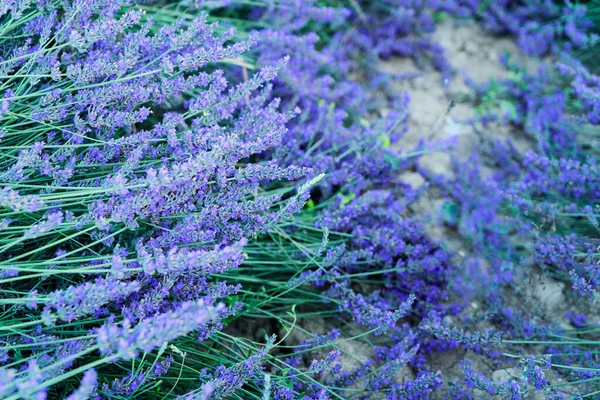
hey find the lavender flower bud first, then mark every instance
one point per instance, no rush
(151, 333)
(87, 387)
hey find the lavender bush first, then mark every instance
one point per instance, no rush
(186, 186)
(535, 217)
(127, 185)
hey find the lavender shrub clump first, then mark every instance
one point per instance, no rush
(130, 153)
(534, 216)
(201, 200)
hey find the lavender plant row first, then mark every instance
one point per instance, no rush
(186, 187)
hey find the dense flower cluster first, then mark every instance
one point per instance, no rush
(540, 26)
(168, 181)
(536, 214)
(130, 152)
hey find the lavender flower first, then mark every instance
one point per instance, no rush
(87, 387)
(224, 381)
(52, 221)
(319, 366)
(11, 199)
(533, 373)
(197, 262)
(124, 340)
(86, 299)
(369, 311)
